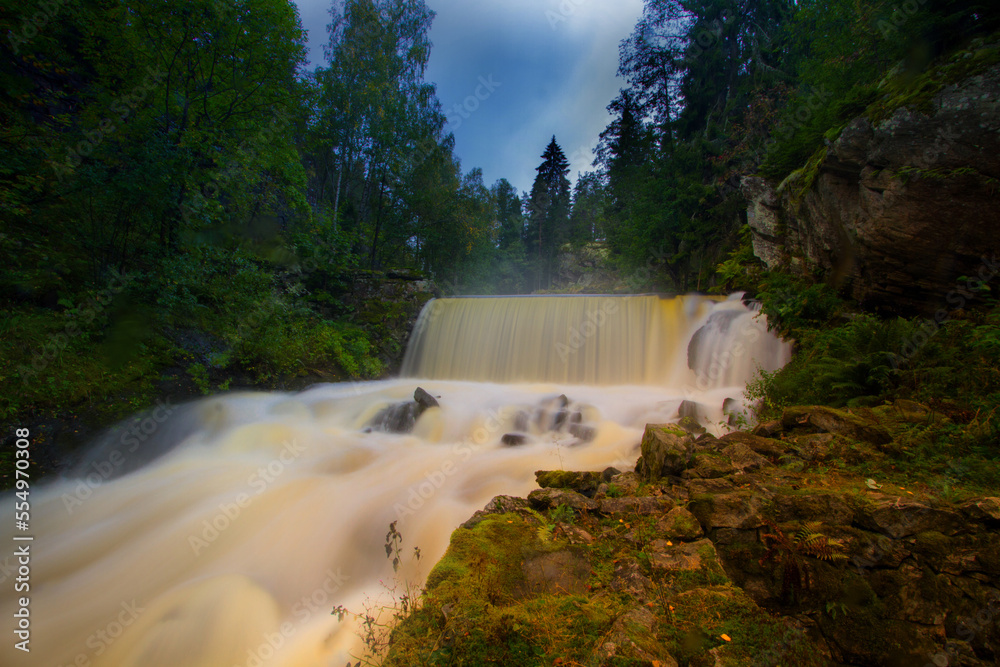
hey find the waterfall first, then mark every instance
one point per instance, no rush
(598, 340)
(223, 532)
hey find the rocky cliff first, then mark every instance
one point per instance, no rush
(901, 207)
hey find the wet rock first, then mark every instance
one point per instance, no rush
(628, 578)
(609, 473)
(632, 641)
(983, 510)
(764, 446)
(767, 429)
(814, 447)
(401, 417)
(548, 498)
(665, 451)
(424, 400)
(635, 505)
(692, 416)
(397, 418)
(679, 524)
(522, 420)
(626, 484)
(684, 556)
(708, 466)
(698, 487)
(745, 459)
(835, 421)
(829, 508)
(582, 432)
(729, 510)
(499, 505)
(513, 439)
(574, 534)
(731, 408)
(898, 520)
(585, 483)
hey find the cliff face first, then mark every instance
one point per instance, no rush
(896, 210)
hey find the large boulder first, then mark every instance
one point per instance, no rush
(831, 420)
(401, 417)
(666, 451)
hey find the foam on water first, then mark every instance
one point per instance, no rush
(232, 547)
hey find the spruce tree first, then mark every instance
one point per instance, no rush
(548, 213)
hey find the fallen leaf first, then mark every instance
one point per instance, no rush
(726, 637)
(669, 543)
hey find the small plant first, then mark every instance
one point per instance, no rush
(562, 514)
(614, 491)
(199, 374)
(835, 608)
(789, 553)
(378, 620)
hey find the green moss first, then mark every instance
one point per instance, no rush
(701, 616)
(905, 90)
(800, 181)
(582, 482)
(491, 618)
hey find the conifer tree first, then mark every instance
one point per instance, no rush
(548, 213)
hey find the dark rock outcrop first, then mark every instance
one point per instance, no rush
(401, 417)
(898, 208)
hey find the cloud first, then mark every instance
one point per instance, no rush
(555, 61)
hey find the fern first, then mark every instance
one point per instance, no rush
(789, 553)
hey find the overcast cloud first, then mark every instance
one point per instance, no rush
(540, 67)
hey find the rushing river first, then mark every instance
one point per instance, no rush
(222, 533)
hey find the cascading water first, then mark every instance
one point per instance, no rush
(262, 512)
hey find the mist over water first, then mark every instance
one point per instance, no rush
(232, 547)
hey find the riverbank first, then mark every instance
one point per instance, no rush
(805, 541)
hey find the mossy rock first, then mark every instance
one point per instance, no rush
(499, 596)
(700, 617)
(585, 483)
(836, 421)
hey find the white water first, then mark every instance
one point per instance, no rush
(130, 571)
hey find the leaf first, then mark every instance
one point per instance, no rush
(872, 484)
(726, 637)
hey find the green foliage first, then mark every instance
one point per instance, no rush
(562, 514)
(832, 366)
(794, 306)
(789, 553)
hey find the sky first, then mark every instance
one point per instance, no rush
(510, 74)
